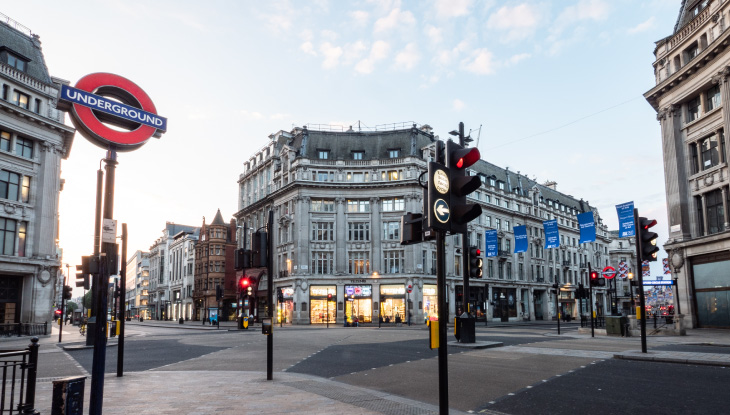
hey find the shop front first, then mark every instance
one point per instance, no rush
(10, 290)
(505, 304)
(393, 303)
(711, 281)
(359, 303)
(321, 309)
(567, 304)
(476, 301)
(286, 307)
(430, 302)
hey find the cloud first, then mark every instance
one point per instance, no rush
(434, 33)
(643, 26)
(251, 115)
(359, 17)
(308, 48)
(515, 59)
(595, 10)
(518, 22)
(395, 18)
(331, 55)
(329, 35)
(379, 51)
(354, 52)
(408, 57)
(446, 57)
(458, 105)
(479, 62)
(452, 8)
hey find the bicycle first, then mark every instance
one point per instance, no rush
(82, 329)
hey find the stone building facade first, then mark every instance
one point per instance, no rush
(33, 141)
(137, 285)
(160, 296)
(182, 262)
(692, 100)
(338, 197)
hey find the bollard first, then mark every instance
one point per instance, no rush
(29, 407)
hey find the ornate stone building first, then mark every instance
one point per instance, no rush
(692, 100)
(33, 141)
(213, 268)
(338, 198)
(161, 297)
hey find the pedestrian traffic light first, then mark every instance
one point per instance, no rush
(259, 254)
(648, 239)
(242, 259)
(458, 159)
(475, 262)
(67, 292)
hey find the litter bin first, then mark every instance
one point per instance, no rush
(464, 328)
(68, 396)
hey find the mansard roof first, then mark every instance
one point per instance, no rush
(687, 12)
(373, 144)
(26, 46)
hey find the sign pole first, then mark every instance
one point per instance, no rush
(122, 301)
(442, 320)
(590, 300)
(270, 296)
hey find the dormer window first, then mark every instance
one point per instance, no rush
(501, 185)
(357, 155)
(394, 153)
(492, 182)
(15, 60)
(323, 154)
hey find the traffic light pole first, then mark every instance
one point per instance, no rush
(640, 277)
(590, 298)
(465, 246)
(270, 296)
(122, 302)
(90, 332)
(443, 319)
(63, 310)
(101, 284)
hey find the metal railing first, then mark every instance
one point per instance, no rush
(598, 322)
(23, 329)
(19, 369)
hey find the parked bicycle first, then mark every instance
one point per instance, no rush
(82, 328)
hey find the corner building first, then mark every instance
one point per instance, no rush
(692, 100)
(338, 198)
(33, 141)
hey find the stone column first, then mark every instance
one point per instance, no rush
(724, 208)
(704, 216)
(340, 240)
(675, 161)
(301, 236)
(376, 262)
(722, 79)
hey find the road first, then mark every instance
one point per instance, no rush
(537, 370)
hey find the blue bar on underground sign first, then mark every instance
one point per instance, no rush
(97, 102)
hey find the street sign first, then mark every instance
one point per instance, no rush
(609, 272)
(441, 208)
(441, 181)
(658, 282)
(109, 231)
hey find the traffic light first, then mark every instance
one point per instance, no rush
(67, 292)
(458, 159)
(89, 266)
(244, 283)
(329, 297)
(218, 293)
(594, 278)
(242, 259)
(648, 239)
(437, 211)
(279, 296)
(258, 253)
(475, 262)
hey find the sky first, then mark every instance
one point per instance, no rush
(552, 89)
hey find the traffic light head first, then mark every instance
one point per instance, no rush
(458, 159)
(67, 292)
(594, 279)
(475, 263)
(648, 239)
(242, 259)
(259, 254)
(244, 283)
(329, 297)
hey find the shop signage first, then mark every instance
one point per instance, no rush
(321, 291)
(357, 281)
(392, 290)
(131, 109)
(287, 292)
(429, 290)
(358, 290)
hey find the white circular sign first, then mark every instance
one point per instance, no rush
(441, 181)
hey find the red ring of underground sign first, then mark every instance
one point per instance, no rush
(91, 83)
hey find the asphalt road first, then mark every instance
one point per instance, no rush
(536, 372)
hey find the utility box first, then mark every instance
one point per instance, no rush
(68, 396)
(615, 324)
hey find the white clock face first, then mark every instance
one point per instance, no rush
(441, 181)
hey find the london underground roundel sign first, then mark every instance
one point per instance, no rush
(609, 272)
(101, 100)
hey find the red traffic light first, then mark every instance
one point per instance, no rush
(647, 223)
(594, 275)
(58, 312)
(244, 282)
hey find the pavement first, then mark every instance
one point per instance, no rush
(163, 391)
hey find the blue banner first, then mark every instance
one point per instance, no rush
(587, 226)
(520, 239)
(625, 219)
(491, 242)
(552, 238)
